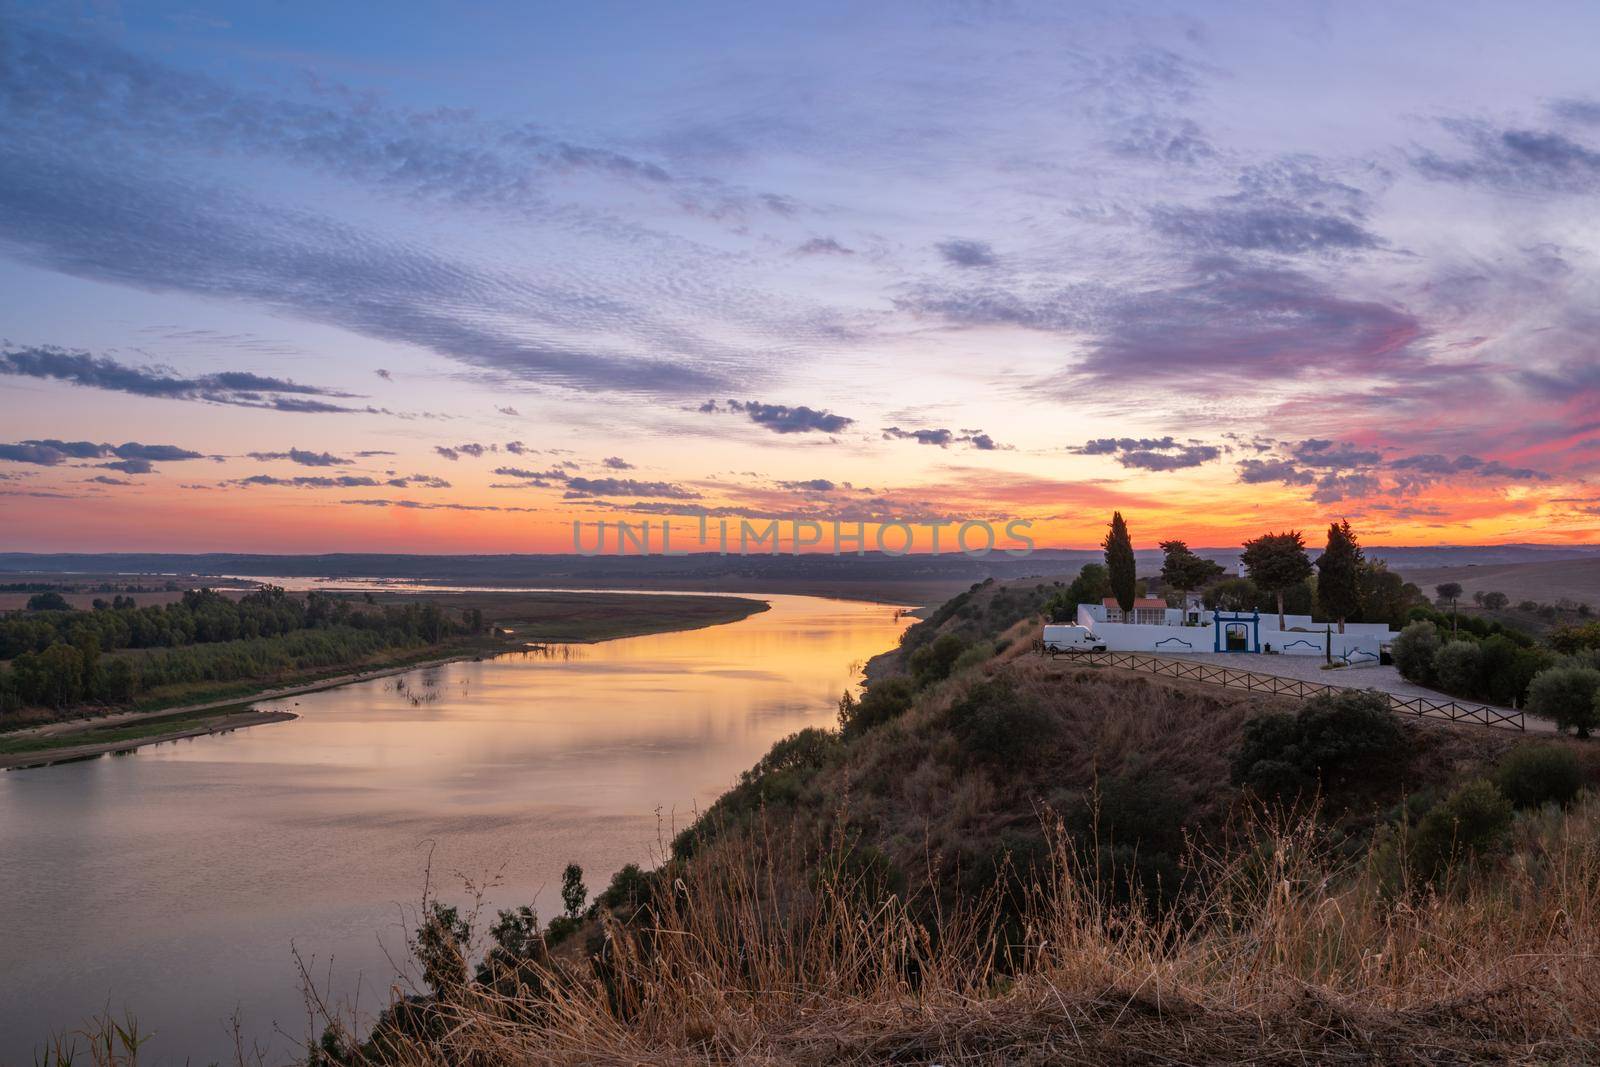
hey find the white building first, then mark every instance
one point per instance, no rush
(1153, 627)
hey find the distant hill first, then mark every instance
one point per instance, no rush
(559, 569)
(1547, 581)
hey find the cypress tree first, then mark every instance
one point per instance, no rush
(1119, 563)
(1339, 574)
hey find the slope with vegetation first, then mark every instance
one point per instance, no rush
(998, 858)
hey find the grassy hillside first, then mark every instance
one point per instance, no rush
(1001, 859)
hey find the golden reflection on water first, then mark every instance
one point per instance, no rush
(177, 877)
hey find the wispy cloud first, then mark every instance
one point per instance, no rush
(781, 418)
(944, 438)
(241, 388)
(130, 457)
(964, 253)
(1151, 453)
(304, 457)
(1513, 159)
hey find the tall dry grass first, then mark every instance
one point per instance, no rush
(1288, 954)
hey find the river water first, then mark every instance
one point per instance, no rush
(174, 883)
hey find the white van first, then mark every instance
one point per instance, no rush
(1071, 639)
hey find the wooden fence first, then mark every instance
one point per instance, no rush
(1234, 678)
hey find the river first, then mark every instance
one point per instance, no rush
(173, 883)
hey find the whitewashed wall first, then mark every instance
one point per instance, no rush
(1359, 643)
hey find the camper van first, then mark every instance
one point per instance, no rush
(1071, 639)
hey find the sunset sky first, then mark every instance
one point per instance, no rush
(444, 278)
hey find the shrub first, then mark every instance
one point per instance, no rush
(1566, 695)
(1270, 738)
(1340, 730)
(1534, 775)
(806, 749)
(630, 890)
(1131, 830)
(1471, 822)
(1457, 668)
(1414, 652)
(933, 662)
(1329, 737)
(981, 652)
(883, 701)
(1575, 638)
(995, 726)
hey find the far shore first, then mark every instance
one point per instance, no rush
(71, 753)
(235, 711)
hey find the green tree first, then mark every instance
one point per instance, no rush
(1091, 586)
(119, 683)
(1120, 568)
(1450, 591)
(1414, 651)
(1233, 594)
(1276, 562)
(573, 892)
(1457, 667)
(1384, 595)
(1184, 571)
(1495, 601)
(1566, 695)
(1339, 574)
(48, 602)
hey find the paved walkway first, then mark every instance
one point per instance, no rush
(1309, 669)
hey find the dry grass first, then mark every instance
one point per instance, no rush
(1292, 957)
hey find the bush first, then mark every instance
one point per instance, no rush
(1414, 652)
(981, 652)
(882, 702)
(994, 726)
(806, 749)
(1341, 730)
(1575, 638)
(1566, 695)
(1457, 668)
(1534, 775)
(1131, 830)
(1329, 737)
(48, 602)
(1471, 822)
(934, 661)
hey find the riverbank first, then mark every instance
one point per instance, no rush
(312, 833)
(138, 735)
(516, 621)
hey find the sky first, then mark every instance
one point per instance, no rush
(450, 277)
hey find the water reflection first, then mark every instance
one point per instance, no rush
(174, 881)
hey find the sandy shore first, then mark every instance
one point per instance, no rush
(67, 753)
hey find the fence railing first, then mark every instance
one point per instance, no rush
(1234, 678)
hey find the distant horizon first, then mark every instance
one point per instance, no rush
(1041, 552)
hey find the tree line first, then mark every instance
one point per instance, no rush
(58, 658)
